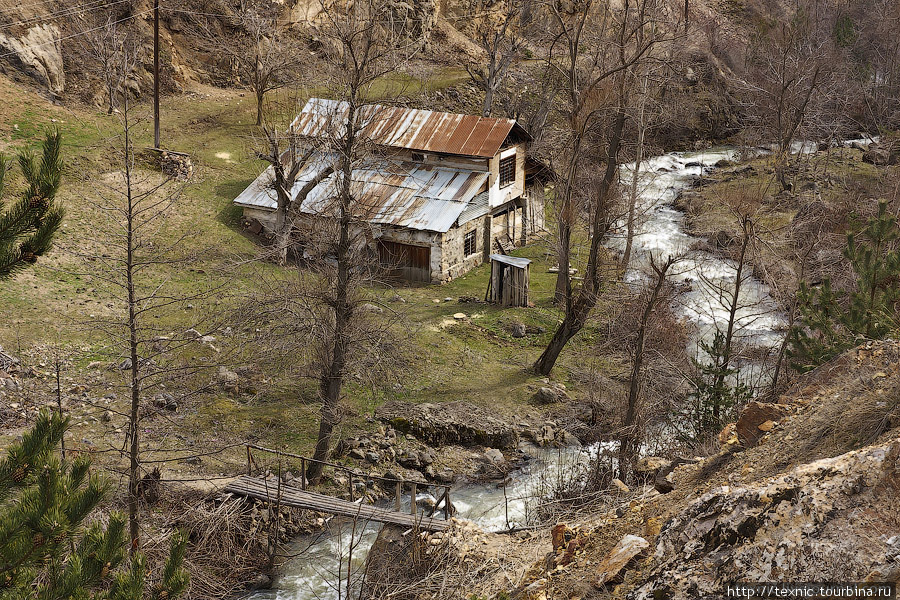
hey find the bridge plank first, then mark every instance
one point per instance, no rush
(257, 487)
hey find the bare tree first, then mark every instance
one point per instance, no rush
(629, 436)
(595, 94)
(323, 307)
(791, 70)
(131, 258)
(257, 45)
(498, 37)
(106, 47)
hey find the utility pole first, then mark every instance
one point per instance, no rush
(156, 73)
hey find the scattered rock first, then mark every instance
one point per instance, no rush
(755, 414)
(165, 401)
(107, 416)
(550, 395)
(617, 560)
(649, 466)
(518, 330)
(620, 485)
(459, 316)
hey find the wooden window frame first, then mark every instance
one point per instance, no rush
(507, 175)
(470, 237)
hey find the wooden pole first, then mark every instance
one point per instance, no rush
(412, 500)
(398, 491)
(302, 473)
(156, 73)
(447, 503)
(248, 460)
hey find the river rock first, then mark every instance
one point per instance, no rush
(457, 422)
(881, 154)
(494, 456)
(618, 559)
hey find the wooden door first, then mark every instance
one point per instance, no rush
(405, 261)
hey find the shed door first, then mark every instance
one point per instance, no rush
(404, 261)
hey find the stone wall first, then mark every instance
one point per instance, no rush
(454, 263)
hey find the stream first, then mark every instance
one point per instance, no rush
(660, 230)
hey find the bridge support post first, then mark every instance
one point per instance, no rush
(398, 491)
(446, 503)
(412, 499)
(303, 474)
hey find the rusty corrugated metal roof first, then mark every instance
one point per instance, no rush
(413, 129)
(397, 193)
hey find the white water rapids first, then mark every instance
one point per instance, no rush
(315, 571)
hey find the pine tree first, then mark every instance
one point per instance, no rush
(27, 226)
(833, 321)
(717, 392)
(47, 551)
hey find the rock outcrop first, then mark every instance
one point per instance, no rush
(39, 52)
(449, 423)
(794, 527)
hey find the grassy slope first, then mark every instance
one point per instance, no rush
(474, 360)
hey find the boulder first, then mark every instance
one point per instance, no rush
(518, 330)
(494, 456)
(550, 394)
(650, 466)
(457, 422)
(881, 154)
(618, 559)
(755, 414)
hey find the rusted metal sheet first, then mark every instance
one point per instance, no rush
(421, 130)
(393, 193)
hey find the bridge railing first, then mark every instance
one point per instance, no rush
(442, 495)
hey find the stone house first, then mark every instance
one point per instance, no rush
(441, 193)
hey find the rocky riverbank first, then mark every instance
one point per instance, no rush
(798, 500)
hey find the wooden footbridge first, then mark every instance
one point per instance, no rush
(276, 491)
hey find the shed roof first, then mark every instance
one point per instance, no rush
(515, 261)
(412, 129)
(397, 193)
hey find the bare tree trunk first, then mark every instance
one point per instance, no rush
(725, 359)
(133, 422)
(578, 308)
(629, 440)
(635, 179)
(333, 379)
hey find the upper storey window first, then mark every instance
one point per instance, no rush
(507, 170)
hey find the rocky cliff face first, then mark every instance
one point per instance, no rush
(834, 519)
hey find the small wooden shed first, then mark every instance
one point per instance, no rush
(508, 285)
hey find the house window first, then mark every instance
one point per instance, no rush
(507, 170)
(418, 157)
(470, 244)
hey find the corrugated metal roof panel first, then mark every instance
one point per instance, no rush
(413, 129)
(515, 261)
(394, 193)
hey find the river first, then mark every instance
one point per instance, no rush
(313, 573)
